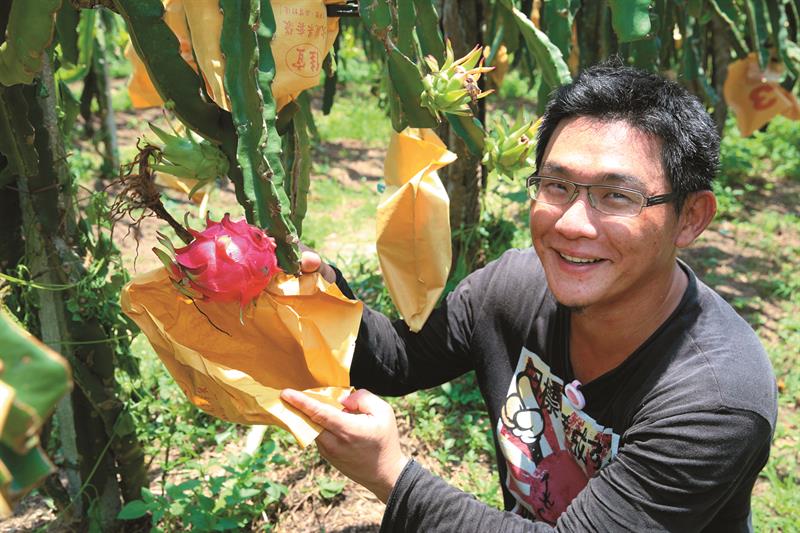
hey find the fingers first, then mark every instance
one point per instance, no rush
(320, 413)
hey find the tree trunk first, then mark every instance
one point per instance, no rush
(461, 21)
(721, 56)
(97, 434)
(47, 225)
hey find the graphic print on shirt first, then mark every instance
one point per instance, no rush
(551, 448)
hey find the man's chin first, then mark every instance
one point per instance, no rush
(574, 309)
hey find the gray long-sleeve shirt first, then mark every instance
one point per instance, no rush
(671, 439)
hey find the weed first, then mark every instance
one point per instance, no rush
(233, 498)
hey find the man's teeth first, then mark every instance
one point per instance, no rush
(578, 259)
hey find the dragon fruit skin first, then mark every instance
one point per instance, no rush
(226, 262)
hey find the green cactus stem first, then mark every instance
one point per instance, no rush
(81, 36)
(759, 33)
(727, 12)
(297, 147)
(630, 19)
(179, 86)
(30, 29)
(407, 81)
(377, 17)
(16, 136)
(33, 378)
(261, 183)
(547, 55)
(428, 33)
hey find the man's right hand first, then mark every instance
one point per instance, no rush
(311, 262)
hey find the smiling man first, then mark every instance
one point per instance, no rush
(625, 394)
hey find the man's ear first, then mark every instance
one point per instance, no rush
(697, 212)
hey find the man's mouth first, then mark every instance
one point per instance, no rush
(578, 260)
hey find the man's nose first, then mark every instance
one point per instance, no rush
(577, 219)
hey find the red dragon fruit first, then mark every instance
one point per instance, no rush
(226, 262)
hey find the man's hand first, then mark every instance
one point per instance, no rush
(362, 441)
(311, 262)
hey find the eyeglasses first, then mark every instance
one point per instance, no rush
(608, 199)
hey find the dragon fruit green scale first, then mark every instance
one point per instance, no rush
(226, 262)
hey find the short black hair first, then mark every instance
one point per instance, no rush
(654, 105)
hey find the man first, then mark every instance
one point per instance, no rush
(625, 394)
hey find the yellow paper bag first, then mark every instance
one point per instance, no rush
(755, 96)
(413, 226)
(300, 334)
(303, 36)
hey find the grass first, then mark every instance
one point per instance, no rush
(351, 119)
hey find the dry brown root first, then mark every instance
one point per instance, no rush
(139, 192)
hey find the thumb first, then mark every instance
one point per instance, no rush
(310, 261)
(318, 412)
(363, 401)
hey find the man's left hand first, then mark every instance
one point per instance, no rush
(362, 441)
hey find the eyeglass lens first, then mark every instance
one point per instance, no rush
(605, 198)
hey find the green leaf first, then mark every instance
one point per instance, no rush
(246, 494)
(630, 19)
(133, 510)
(224, 524)
(330, 488)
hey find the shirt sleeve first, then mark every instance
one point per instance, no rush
(675, 474)
(391, 360)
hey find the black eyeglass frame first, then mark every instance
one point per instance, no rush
(647, 201)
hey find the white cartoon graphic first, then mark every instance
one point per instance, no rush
(540, 432)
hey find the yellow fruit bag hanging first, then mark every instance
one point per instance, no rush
(413, 224)
(303, 36)
(299, 333)
(756, 97)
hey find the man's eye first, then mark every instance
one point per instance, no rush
(618, 197)
(554, 186)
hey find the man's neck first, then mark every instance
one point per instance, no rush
(601, 339)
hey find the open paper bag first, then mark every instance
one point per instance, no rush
(300, 334)
(413, 224)
(756, 96)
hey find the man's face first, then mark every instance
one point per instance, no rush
(594, 260)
